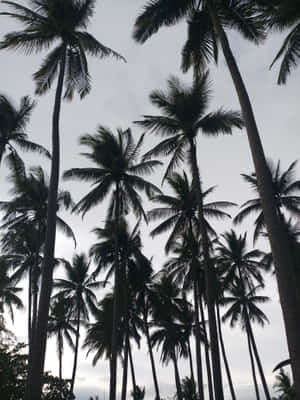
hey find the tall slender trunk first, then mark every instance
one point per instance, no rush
(29, 307)
(134, 385)
(114, 340)
(36, 362)
(125, 364)
(35, 291)
(177, 377)
(260, 368)
(206, 348)
(60, 344)
(76, 349)
(281, 248)
(209, 280)
(231, 388)
(253, 367)
(198, 341)
(191, 366)
(156, 387)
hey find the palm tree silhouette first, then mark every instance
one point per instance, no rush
(78, 287)
(118, 171)
(208, 22)
(285, 189)
(13, 122)
(60, 326)
(45, 23)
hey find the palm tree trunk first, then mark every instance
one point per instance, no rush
(29, 307)
(206, 348)
(125, 365)
(177, 377)
(60, 344)
(36, 362)
(224, 354)
(191, 366)
(113, 375)
(134, 386)
(76, 349)
(209, 281)
(156, 387)
(281, 249)
(260, 368)
(198, 340)
(252, 367)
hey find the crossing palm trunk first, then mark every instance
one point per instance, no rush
(209, 280)
(192, 376)
(156, 387)
(36, 362)
(227, 369)
(177, 376)
(259, 365)
(113, 372)
(76, 349)
(206, 348)
(281, 248)
(253, 367)
(134, 385)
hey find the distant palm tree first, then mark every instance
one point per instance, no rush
(284, 387)
(8, 291)
(243, 308)
(78, 287)
(118, 171)
(285, 189)
(60, 326)
(209, 21)
(45, 23)
(13, 123)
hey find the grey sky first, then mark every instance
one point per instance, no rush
(119, 96)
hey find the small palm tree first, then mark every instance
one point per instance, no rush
(45, 23)
(284, 387)
(243, 308)
(78, 287)
(13, 122)
(59, 325)
(285, 189)
(118, 171)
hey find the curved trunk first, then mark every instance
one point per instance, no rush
(206, 348)
(230, 384)
(191, 366)
(151, 357)
(253, 367)
(113, 374)
(177, 377)
(75, 350)
(209, 281)
(197, 341)
(132, 368)
(36, 362)
(260, 368)
(281, 249)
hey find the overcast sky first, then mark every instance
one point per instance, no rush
(120, 96)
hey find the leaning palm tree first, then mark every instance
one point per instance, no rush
(117, 171)
(286, 190)
(208, 22)
(79, 287)
(13, 122)
(45, 23)
(243, 308)
(60, 326)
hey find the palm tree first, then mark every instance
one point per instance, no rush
(243, 307)
(45, 23)
(117, 170)
(285, 188)
(208, 22)
(78, 287)
(284, 387)
(59, 325)
(8, 291)
(13, 123)
(183, 215)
